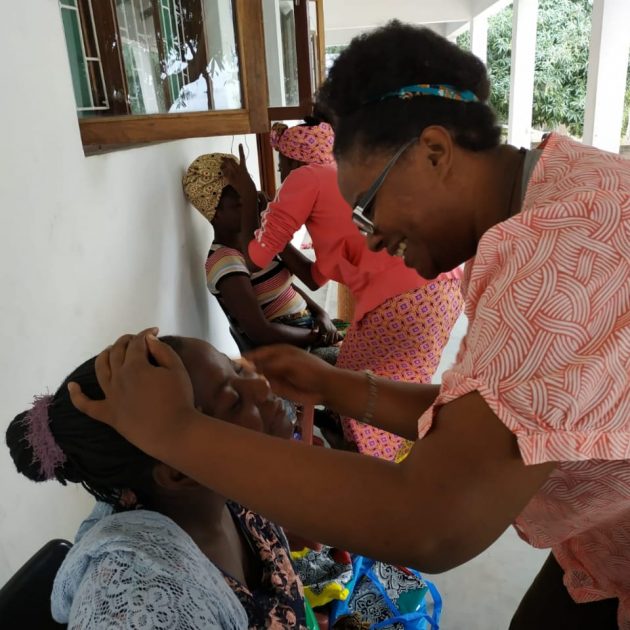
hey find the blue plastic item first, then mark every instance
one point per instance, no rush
(410, 611)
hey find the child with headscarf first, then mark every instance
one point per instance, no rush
(401, 321)
(265, 305)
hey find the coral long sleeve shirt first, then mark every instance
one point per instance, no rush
(310, 196)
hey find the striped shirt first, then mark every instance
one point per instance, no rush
(273, 286)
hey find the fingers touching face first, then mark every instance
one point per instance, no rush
(232, 391)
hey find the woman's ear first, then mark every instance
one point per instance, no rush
(170, 479)
(438, 145)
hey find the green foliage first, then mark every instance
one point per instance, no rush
(562, 47)
(334, 50)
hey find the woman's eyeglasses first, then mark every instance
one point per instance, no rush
(363, 211)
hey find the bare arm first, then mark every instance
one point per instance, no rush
(290, 210)
(458, 490)
(301, 377)
(240, 301)
(327, 332)
(299, 265)
(239, 178)
(250, 222)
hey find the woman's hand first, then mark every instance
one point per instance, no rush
(238, 176)
(144, 402)
(328, 335)
(294, 373)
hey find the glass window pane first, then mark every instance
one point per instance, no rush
(185, 61)
(78, 67)
(167, 56)
(222, 70)
(141, 58)
(281, 52)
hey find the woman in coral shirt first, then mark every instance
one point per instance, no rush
(401, 321)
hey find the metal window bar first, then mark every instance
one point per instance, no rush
(179, 15)
(129, 31)
(97, 59)
(169, 15)
(166, 43)
(134, 6)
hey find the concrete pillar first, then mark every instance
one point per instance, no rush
(522, 73)
(479, 37)
(274, 53)
(607, 73)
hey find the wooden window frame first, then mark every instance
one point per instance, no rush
(106, 133)
(306, 89)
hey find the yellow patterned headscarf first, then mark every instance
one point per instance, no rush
(204, 182)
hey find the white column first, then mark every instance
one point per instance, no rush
(273, 53)
(607, 72)
(479, 37)
(522, 72)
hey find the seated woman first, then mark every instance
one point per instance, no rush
(265, 305)
(160, 550)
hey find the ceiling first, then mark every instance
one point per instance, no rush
(346, 18)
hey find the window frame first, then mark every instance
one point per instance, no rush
(106, 133)
(306, 88)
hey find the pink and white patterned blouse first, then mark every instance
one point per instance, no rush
(548, 348)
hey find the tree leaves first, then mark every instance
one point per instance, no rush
(562, 48)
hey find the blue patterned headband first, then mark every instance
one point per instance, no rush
(431, 89)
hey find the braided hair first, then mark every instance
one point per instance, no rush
(96, 456)
(388, 59)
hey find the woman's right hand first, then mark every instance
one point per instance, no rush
(237, 176)
(148, 392)
(293, 373)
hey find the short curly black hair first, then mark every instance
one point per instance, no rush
(389, 58)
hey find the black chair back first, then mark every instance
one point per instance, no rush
(25, 598)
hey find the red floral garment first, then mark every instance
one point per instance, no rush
(278, 602)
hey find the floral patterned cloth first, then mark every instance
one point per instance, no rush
(324, 573)
(311, 144)
(278, 602)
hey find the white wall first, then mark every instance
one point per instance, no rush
(89, 248)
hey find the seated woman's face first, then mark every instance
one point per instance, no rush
(231, 392)
(228, 216)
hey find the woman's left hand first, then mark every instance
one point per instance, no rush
(238, 176)
(144, 402)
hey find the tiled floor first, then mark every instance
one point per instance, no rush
(484, 593)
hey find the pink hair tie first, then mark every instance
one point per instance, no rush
(39, 437)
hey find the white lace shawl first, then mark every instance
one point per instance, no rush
(140, 570)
